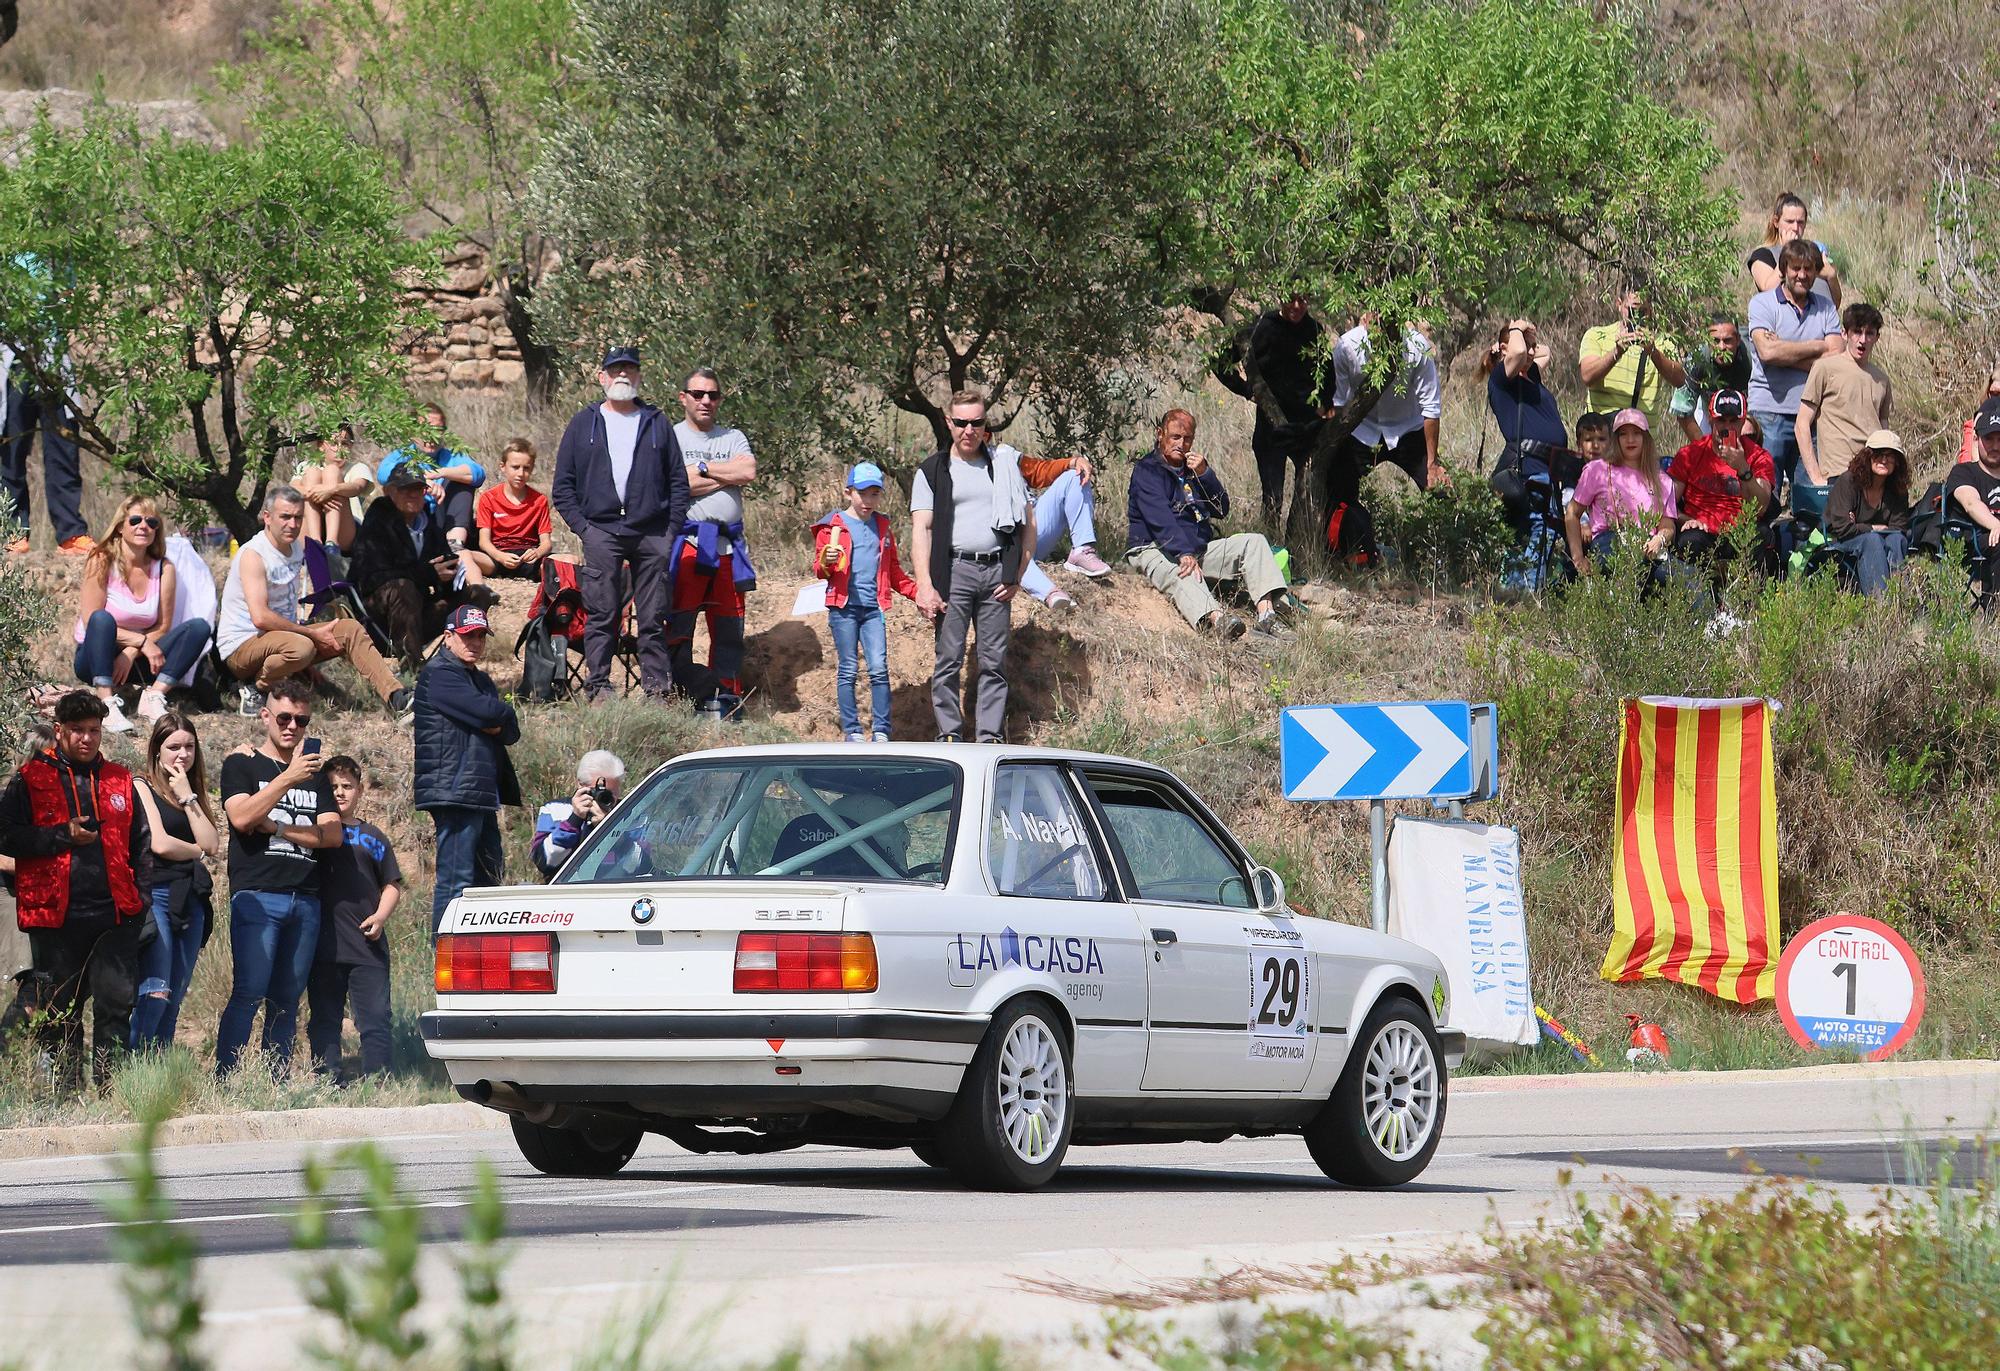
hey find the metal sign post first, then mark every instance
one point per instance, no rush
(1425, 750)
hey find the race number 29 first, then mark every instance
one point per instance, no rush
(1280, 991)
(1850, 982)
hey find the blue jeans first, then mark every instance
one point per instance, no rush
(1065, 510)
(1876, 556)
(181, 646)
(468, 854)
(860, 626)
(272, 938)
(1781, 440)
(165, 968)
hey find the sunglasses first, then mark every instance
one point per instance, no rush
(702, 394)
(143, 521)
(968, 423)
(291, 720)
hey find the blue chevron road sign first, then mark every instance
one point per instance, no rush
(1411, 751)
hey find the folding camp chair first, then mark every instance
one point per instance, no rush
(558, 610)
(1982, 556)
(1804, 545)
(333, 596)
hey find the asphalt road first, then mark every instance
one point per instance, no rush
(822, 1245)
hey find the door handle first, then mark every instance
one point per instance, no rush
(1165, 937)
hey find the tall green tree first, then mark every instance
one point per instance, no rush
(205, 307)
(1447, 159)
(848, 203)
(455, 95)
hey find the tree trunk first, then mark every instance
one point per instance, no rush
(538, 362)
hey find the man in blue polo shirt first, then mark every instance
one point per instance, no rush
(1791, 327)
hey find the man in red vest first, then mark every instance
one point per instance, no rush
(82, 856)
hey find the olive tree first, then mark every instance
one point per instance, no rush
(204, 307)
(1444, 160)
(844, 204)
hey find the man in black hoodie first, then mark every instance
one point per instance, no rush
(83, 854)
(1285, 361)
(621, 484)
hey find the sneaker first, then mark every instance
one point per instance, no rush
(19, 545)
(1224, 626)
(1270, 625)
(1086, 561)
(402, 700)
(152, 704)
(950, 738)
(879, 738)
(709, 710)
(1061, 602)
(114, 718)
(80, 546)
(249, 701)
(856, 738)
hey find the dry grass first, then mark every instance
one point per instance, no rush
(131, 49)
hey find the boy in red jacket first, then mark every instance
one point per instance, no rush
(854, 552)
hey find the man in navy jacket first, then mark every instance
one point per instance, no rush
(463, 730)
(621, 485)
(1173, 501)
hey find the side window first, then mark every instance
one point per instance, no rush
(1036, 841)
(1171, 852)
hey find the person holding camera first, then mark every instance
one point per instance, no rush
(1624, 365)
(563, 824)
(83, 856)
(463, 730)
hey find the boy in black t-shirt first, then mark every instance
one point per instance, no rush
(359, 886)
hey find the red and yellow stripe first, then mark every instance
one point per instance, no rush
(1694, 883)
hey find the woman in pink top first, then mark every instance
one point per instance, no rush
(1623, 489)
(125, 626)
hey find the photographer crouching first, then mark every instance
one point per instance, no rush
(563, 824)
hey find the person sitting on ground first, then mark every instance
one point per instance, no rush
(1717, 477)
(1623, 490)
(1401, 427)
(1847, 397)
(516, 527)
(1173, 504)
(174, 794)
(360, 883)
(854, 552)
(1968, 447)
(1972, 495)
(1719, 362)
(404, 567)
(561, 825)
(1868, 511)
(337, 489)
(1786, 224)
(1624, 365)
(258, 629)
(1063, 491)
(453, 478)
(83, 862)
(125, 629)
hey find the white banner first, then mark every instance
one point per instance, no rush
(1455, 889)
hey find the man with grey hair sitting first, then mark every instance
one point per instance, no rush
(260, 632)
(562, 825)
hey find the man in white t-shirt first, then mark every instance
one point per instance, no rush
(712, 566)
(620, 484)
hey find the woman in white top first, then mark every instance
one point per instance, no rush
(125, 629)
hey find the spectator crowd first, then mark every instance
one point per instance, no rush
(1768, 435)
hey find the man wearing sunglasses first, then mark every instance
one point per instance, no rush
(973, 532)
(712, 565)
(621, 485)
(281, 812)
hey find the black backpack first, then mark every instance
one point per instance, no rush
(544, 662)
(1927, 521)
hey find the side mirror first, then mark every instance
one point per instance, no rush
(1269, 888)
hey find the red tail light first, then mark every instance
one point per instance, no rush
(492, 963)
(805, 961)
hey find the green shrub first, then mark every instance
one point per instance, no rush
(1449, 536)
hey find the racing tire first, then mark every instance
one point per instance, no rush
(1386, 1114)
(1010, 1125)
(600, 1149)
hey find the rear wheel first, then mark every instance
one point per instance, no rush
(1386, 1115)
(932, 1154)
(1009, 1127)
(598, 1149)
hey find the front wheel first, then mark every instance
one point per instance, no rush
(600, 1148)
(1009, 1127)
(1386, 1115)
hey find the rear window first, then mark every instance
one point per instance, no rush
(772, 817)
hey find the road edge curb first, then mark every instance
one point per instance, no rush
(329, 1123)
(1500, 1085)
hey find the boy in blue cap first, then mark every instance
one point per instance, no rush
(854, 552)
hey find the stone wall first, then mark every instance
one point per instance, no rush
(476, 353)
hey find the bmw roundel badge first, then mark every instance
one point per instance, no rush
(642, 910)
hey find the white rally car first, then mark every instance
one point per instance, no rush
(983, 953)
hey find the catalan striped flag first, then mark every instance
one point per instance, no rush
(1694, 882)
